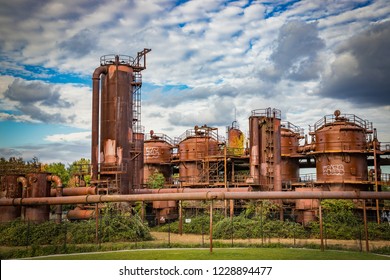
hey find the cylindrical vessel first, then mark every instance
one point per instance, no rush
(192, 151)
(341, 147)
(157, 157)
(290, 136)
(265, 153)
(197, 147)
(37, 187)
(116, 121)
(235, 141)
(10, 188)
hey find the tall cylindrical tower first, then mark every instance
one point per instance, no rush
(114, 141)
(265, 148)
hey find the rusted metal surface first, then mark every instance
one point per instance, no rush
(59, 192)
(194, 196)
(80, 214)
(137, 155)
(11, 187)
(74, 191)
(265, 148)
(235, 141)
(38, 188)
(114, 145)
(197, 147)
(341, 151)
(157, 156)
(290, 136)
(157, 149)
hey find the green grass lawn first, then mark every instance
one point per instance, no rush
(222, 254)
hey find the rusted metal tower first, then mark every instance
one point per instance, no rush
(116, 122)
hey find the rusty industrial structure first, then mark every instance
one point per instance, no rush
(201, 164)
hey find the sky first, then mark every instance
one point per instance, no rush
(212, 62)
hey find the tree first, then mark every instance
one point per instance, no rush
(58, 169)
(156, 180)
(80, 170)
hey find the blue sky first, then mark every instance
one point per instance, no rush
(211, 62)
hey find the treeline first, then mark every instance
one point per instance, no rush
(70, 175)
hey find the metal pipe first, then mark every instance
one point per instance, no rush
(180, 217)
(376, 181)
(74, 191)
(211, 227)
(58, 187)
(22, 180)
(193, 196)
(321, 227)
(365, 225)
(190, 190)
(95, 119)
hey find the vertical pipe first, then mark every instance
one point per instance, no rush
(97, 223)
(365, 225)
(59, 207)
(180, 217)
(376, 180)
(321, 227)
(225, 175)
(211, 226)
(95, 119)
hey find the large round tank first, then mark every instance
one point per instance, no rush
(197, 148)
(157, 151)
(192, 151)
(10, 188)
(157, 156)
(341, 150)
(37, 187)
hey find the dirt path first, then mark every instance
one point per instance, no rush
(199, 239)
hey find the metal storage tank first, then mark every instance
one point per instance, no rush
(10, 188)
(195, 148)
(38, 186)
(112, 119)
(290, 136)
(236, 140)
(157, 155)
(341, 151)
(265, 148)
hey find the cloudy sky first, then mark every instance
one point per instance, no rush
(212, 62)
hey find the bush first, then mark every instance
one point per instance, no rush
(112, 228)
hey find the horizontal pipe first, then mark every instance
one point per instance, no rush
(192, 196)
(190, 190)
(74, 191)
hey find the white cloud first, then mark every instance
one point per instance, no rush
(70, 137)
(222, 51)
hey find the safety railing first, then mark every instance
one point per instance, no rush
(350, 118)
(268, 112)
(110, 59)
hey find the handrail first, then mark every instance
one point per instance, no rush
(349, 118)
